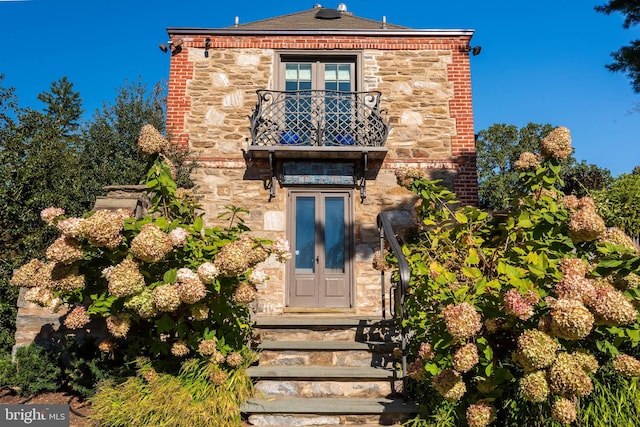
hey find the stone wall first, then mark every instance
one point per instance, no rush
(426, 91)
(417, 93)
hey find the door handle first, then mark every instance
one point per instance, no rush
(317, 259)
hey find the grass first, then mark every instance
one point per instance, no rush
(189, 398)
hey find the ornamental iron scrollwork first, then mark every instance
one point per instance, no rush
(318, 118)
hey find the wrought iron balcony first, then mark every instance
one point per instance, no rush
(318, 118)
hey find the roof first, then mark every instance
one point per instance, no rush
(318, 18)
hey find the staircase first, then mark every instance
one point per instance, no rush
(324, 371)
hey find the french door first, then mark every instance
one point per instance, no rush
(320, 233)
(319, 104)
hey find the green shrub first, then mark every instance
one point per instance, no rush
(513, 315)
(84, 366)
(35, 370)
(167, 288)
(7, 370)
(8, 312)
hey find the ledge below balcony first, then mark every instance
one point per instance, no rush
(317, 152)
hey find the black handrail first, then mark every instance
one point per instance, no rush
(387, 234)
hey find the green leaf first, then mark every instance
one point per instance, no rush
(554, 168)
(461, 292)
(634, 334)
(170, 276)
(431, 368)
(525, 223)
(162, 222)
(481, 285)
(472, 258)
(198, 224)
(487, 352)
(101, 304)
(461, 218)
(472, 272)
(501, 375)
(610, 263)
(165, 324)
(488, 370)
(537, 271)
(607, 347)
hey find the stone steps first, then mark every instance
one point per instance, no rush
(324, 329)
(326, 371)
(326, 353)
(328, 411)
(321, 372)
(281, 388)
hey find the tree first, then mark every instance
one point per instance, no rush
(499, 147)
(110, 153)
(580, 179)
(627, 58)
(8, 294)
(619, 204)
(39, 167)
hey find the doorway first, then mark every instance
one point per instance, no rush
(321, 237)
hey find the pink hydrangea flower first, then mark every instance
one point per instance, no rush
(517, 305)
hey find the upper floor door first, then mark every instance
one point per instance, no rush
(320, 103)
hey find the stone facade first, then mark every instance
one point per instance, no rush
(424, 78)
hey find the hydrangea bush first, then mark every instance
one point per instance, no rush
(532, 302)
(165, 286)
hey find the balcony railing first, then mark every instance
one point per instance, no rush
(318, 118)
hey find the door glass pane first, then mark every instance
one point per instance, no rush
(344, 73)
(338, 105)
(330, 73)
(337, 76)
(298, 121)
(291, 73)
(305, 234)
(334, 235)
(305, 74)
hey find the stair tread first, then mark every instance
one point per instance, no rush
(325, 345)
(339, 405)
(319, 372)
(292, 321)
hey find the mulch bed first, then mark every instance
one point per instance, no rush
(78, 409)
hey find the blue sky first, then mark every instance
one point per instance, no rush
(542, 61)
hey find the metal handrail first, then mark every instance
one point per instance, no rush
(318, 118)
(387, 234)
